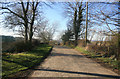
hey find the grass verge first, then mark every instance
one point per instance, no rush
(15, 62)
(105, 60)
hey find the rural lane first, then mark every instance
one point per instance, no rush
(67, 62)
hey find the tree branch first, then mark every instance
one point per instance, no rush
(12, 12)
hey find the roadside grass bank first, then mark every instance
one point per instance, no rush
(104, 61)
(13, 63)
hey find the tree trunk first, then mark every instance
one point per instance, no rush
(26, 36)
(34, 7)
(75, 27)
(76, 40)
(31, 34)
(25, 20)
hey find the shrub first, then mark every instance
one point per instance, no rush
(35, 42)
(81, 43)
(21, 46)
(18, 46)
(8, 47)
(12, 47)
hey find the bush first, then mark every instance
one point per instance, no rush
(12, 47)
(107, 50)
(18, 46)
(35, 42)
(8, 47)
(81, 43)
(21, 46)
(97, 49)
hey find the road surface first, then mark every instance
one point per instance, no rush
(67, 62)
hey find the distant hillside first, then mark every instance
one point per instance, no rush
(7, 38)
(10, 38)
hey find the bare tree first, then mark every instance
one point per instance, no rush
(109, 18)
(45, 31)
(21, 14)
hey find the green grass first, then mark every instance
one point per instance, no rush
(12, 63)
(81, 49)
(108, 60)
(112, 63)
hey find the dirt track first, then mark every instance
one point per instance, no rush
(67, 62)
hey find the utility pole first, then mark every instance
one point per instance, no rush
(86, 23)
